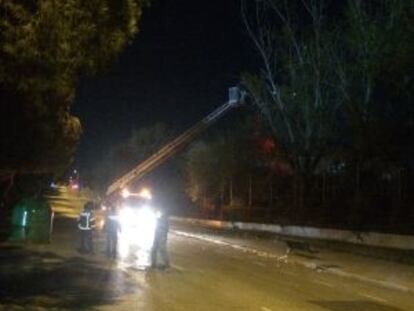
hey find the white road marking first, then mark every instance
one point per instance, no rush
(258, 263)
(284, 259)
(324, 283)
(374, 297)
(181, 269)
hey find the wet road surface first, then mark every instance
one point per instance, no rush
(210, 277)
(203, 276)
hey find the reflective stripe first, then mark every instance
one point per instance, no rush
(86, 221)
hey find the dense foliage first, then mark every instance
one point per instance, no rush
(335, 91)
(44, 48)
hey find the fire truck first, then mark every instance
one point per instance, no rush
(136, 214)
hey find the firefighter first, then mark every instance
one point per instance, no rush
(86, 225)
(159, 254)
(112, 229)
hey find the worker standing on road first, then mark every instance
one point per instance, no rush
(159, 254)
(86, 225)
(112, 228)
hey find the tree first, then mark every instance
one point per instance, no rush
(297, 89)
(215, 168)
(376, 82)
(376, 79)
(335, 82)
(44, 47)
(121, 158)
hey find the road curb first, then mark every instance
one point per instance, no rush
(374, 239)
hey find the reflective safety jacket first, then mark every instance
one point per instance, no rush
(86, 220)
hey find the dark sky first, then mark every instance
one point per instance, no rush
(176, 71)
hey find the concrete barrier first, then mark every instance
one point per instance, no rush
(403, 242)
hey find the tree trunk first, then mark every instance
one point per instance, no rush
(324, 186)
(250, 199)
(355, 216)
(397, 201)
(10, 184)
(270, 205)
(231, 191)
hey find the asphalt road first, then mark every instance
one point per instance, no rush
(207, 276)
(203, 276)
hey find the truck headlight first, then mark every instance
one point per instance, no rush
(138, 227)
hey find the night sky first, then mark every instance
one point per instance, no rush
(177, 70)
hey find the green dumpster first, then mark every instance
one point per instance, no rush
(40, 221)
(19, 221)
(32, 220)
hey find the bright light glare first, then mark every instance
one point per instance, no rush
(125, 193)
(145, 193)
(101, 224)
(75, 186)
(137, 228)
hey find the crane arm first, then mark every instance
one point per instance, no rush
(171, 148)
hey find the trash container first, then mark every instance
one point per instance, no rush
(19, 221)
(40, 221)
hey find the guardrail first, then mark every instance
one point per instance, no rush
(403, 242)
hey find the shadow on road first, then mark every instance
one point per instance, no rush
(34, 280)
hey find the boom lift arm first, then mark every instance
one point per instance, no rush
(236, 98)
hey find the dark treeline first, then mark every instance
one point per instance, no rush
(45, 47)
(334, 95)
(240, 175)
